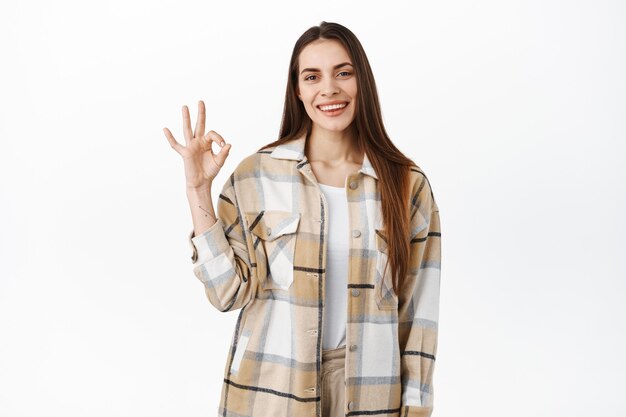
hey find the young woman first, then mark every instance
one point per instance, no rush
(328, 241)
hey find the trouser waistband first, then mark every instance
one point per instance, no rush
(329, 354)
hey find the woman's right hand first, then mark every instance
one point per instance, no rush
(201, 164)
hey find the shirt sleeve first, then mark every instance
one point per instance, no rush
(418, 308)
(221, 259)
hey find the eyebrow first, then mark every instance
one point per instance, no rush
(317, 69)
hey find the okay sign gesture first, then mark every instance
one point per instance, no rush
(201, 164)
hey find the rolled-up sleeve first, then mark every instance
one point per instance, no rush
(220, 256)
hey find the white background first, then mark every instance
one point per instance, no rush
(514, 109)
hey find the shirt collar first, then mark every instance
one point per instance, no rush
(294, 150)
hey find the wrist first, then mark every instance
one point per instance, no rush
(203, 189)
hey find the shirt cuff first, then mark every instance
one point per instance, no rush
(414, 411)
(209, 244)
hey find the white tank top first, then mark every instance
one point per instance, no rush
(336, 289)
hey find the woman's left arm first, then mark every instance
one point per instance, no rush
(418, 307)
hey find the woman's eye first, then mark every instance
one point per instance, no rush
(308, 78)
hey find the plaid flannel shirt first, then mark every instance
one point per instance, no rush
(266, 255)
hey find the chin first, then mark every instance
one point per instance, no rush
(333, 127)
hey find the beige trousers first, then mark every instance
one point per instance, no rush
(333, 385)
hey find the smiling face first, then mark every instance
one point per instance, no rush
(326, 77)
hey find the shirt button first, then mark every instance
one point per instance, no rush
(356, 233)
(354, 185)
(355, 292)
(269, 231)
(353, 348)
(350, 405)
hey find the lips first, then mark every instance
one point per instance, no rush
(339, 105)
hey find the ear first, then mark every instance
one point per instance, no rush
(298, 93)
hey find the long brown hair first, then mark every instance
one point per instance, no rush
(392, 166)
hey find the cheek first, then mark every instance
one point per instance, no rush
(308, 107)
(354, 89)
(355, 92)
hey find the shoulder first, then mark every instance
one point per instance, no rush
(422, 194)
(259, 163)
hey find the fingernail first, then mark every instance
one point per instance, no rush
(222, 144)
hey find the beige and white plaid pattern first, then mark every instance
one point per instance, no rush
(266, 256)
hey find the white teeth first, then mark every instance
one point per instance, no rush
(333, 107)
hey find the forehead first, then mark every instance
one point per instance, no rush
(323, 53)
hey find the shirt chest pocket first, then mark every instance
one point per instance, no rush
(274, 235)
(385, 296)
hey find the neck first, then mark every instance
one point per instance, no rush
(332, 146)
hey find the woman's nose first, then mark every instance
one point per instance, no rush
(330, 87)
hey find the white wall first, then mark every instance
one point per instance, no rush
(514, 109)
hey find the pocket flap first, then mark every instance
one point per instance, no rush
(270, 224)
